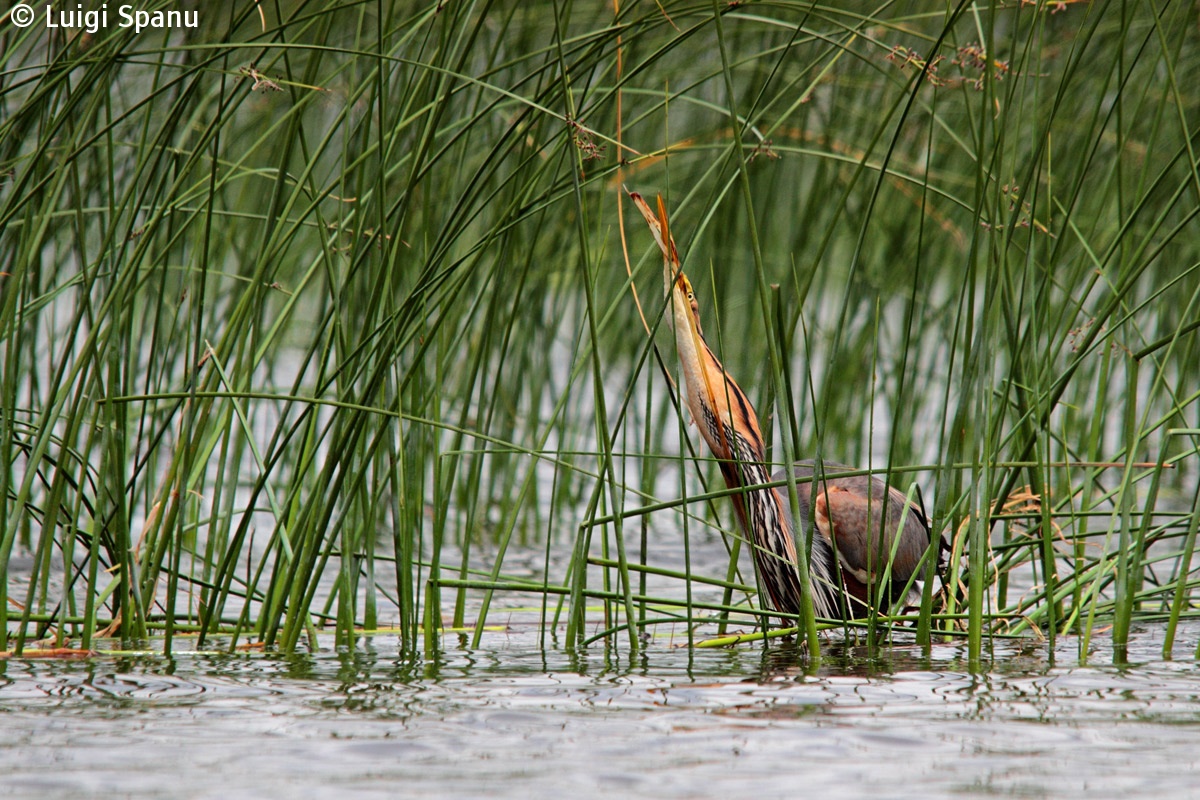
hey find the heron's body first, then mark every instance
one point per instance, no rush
(857, 535)
(862, 557)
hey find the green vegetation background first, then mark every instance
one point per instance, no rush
(314, 316)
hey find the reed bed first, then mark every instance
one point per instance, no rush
(321, 317)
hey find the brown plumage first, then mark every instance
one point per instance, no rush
(849, 555)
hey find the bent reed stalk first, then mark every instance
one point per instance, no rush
(324, 323)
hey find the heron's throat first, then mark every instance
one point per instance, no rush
(720, 408)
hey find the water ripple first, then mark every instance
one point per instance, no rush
(523, 722)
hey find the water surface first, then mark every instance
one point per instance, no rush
(513, 720)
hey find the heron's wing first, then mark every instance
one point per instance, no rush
(851, 520)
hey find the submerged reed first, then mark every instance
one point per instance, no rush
(318, 318)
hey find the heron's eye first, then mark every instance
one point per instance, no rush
(691, 297)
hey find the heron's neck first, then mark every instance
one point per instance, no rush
(729, 425)
(743, 465)
(763, 517)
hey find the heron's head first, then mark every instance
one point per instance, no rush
(718, 406)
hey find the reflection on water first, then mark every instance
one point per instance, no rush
(514, 720)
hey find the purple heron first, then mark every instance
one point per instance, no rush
(856, 537)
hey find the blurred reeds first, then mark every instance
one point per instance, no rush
(317, 317)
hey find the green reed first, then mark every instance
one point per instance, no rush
(321, 320)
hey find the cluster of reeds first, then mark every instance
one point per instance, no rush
(317, 318)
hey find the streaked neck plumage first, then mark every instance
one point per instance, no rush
(730, 427)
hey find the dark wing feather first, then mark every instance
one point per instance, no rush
(849, 513)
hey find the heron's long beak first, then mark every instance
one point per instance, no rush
(676, 285)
